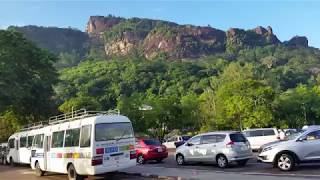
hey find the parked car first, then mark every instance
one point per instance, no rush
(150, 149)
(171, 142)
(183, 139)
(300, 147)
(259, 137)
(3, 152)
(222, 148)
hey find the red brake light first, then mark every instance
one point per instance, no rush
(133, 154)
(100, 151)
(230, 143)
(96, 160)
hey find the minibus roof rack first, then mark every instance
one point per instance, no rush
(79, 114)
(35, 125)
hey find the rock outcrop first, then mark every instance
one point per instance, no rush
(100, 24)
(181, 42)
(297, 41)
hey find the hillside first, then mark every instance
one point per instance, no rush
(151, 39)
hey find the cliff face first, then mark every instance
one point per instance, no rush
(109, 36)
(184, 42)
(100, 24)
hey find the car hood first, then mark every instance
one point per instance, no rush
(276, 143)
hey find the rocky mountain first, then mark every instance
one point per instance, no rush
(116, 36)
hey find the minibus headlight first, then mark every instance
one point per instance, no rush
(267, 148)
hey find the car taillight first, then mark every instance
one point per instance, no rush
(100, 151)
(96, 160)
(229, 144)
(133, 154)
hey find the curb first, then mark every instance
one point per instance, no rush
(153, 176)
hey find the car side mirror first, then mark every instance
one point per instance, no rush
(301, 139)
(189, 144)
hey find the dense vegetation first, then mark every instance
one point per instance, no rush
(26, 79)
(262, 86)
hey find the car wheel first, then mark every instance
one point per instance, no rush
(180, 159)
(39, 172)
(222, 161)
(72, 173)
(140, 159)
(285, 162)
(242, 162)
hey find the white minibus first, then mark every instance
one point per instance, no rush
(19, 147)
(84, 143)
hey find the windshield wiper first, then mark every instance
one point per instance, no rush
(123, 134)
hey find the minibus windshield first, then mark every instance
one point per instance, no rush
(113, 131)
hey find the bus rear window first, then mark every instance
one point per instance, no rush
(113, 131)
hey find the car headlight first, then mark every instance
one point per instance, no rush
(267, 148)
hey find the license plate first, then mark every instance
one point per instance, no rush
(117, 158)
(244, 148)
(159, 150)
(111, 150)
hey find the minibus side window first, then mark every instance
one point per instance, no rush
(85, 139)
(38, 141)
(11, 143)
(72, 138)
(23, 142)
(57, 139)
(30, 139)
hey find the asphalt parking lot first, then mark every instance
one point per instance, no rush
(169, 170)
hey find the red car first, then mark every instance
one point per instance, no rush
(150, 149)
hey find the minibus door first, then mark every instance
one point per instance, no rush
(16, 152)
(46, 155)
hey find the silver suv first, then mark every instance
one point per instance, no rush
(220, 147)
(300, 147)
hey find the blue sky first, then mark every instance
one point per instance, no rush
(287, 17)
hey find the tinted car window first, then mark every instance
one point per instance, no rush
(195, 140)
(186, 138)
(85, 140)
(30, 139)
(57, 139)
(268, 132)
(208, 139)
(313, 135)
(11, 143)
(253, 133)
(237, 137)
(152, 142)
(72, 138)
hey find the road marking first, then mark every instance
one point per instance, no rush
(27, 172)
(277, 174)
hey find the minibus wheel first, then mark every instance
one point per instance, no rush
(72, 173)
(39, 172)
(12, 162)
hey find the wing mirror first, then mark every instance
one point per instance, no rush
(189, 144)
(301, 139)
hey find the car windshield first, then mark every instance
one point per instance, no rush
(152, 142)
(113, 131)
(186, 138)
(294, 135)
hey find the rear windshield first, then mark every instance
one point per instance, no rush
(113, 131)
(238, 137)
(152, 142)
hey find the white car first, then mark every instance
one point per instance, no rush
(300, 147)
(262, 136)
(170, 142)
(222, 148)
